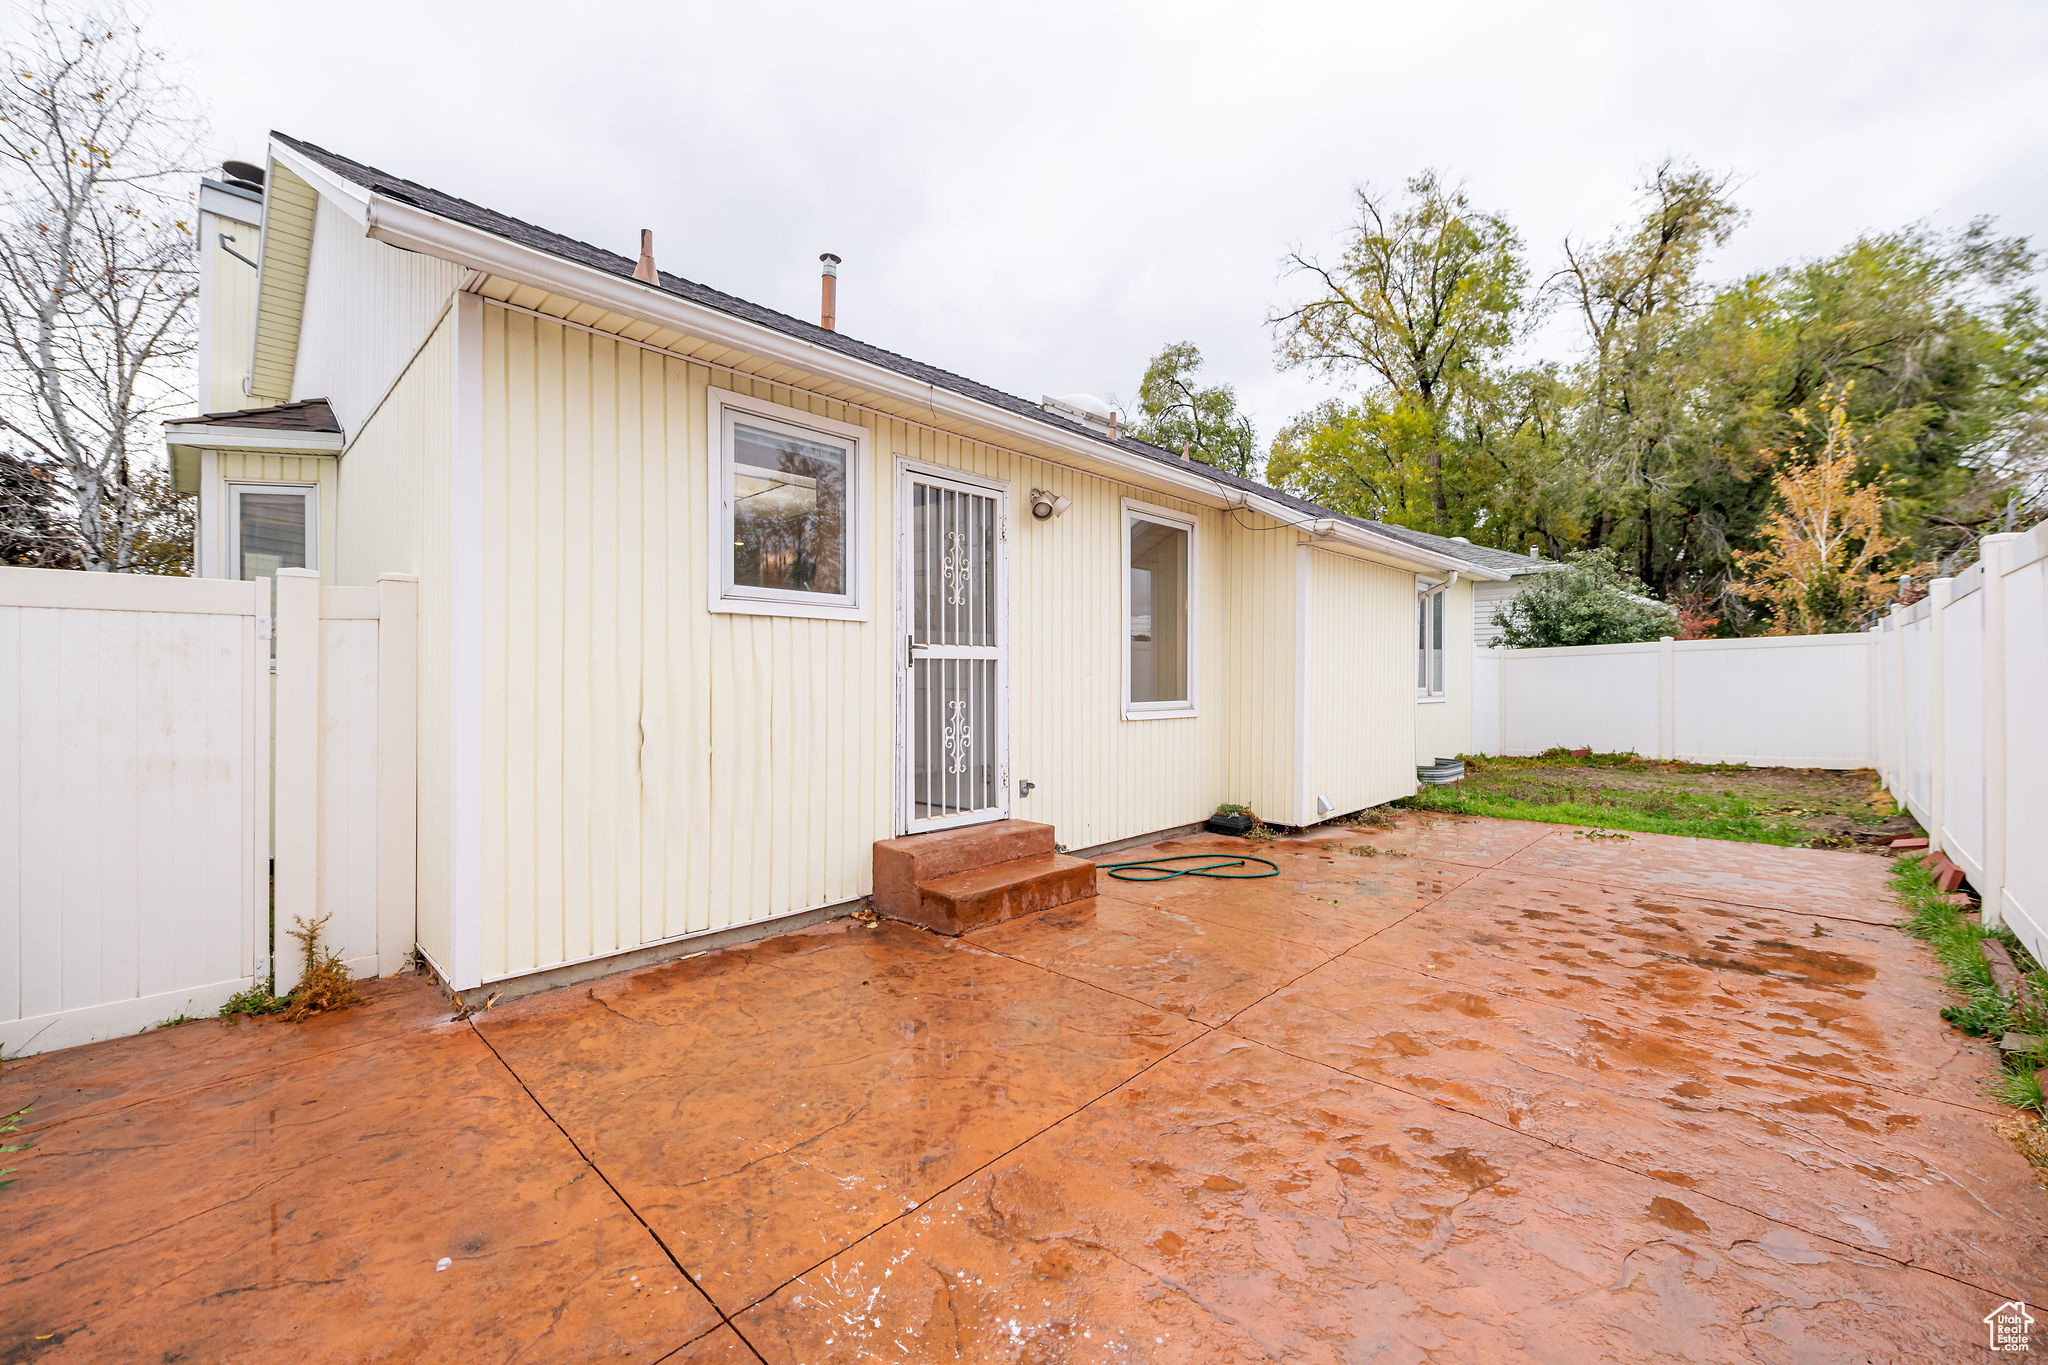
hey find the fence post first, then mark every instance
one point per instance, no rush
(1500, 676)
(1895, 703)
(398, 598)
(295, 844)
(1667, 699)
(1993, 659)
(1937, 697)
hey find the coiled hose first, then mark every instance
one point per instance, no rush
(1156, 869)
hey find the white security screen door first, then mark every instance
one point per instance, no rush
(952, 729)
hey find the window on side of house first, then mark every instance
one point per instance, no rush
(275, 527)
(1429, 644)
(1159, 613)
(787, 488)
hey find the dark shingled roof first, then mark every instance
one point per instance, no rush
(1485, 556)
(597, 258)
(308, 414)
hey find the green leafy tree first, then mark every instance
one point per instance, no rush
(1591, 600)
(1688, 397)
(1940, 343)
(1203, 424)
(1631, 436)
(1419, 311)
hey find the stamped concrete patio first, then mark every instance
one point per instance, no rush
(1494, 1090)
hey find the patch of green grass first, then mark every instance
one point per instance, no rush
(1695, 815)
(1934, 919)
(1650, 796)
(257, 1000)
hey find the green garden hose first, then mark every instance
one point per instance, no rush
(1155, 869)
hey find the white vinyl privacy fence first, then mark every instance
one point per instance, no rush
(1796, 702)
(140, 728)
(1947, 699)
(1962, 688)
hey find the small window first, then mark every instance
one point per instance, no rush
(273, 529)
(787, 490)
(1159, 613)
(1429, 644)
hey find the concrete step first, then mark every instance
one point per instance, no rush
(900, 864)
(989, 895)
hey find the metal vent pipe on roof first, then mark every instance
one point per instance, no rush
(828, 292)
(645, 271)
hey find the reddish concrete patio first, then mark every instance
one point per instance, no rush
(1499, 1089)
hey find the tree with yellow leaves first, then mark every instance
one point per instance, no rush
(1822, 568)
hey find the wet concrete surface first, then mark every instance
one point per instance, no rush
(1496, 1090)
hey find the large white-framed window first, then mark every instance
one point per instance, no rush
(1429, 645)
(272, 526)
(1159, 559)
(789, 507)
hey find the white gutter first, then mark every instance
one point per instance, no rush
(204, 436)
(415, 229)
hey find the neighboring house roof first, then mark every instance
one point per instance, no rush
(466, 214)
(308, 414)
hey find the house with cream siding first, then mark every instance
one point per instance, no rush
(720, 610)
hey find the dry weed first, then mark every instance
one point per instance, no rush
(324, 982)
(2030, 1136)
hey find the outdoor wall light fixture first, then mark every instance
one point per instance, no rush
(1045, 505)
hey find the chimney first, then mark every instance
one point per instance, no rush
(645, 270)
(828, 292)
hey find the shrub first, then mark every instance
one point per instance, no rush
(1592, 600)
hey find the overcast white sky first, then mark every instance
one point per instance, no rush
(1040, 196)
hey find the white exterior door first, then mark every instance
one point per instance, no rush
(952, 730)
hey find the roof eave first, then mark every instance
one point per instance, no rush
(1414, 556)
(212, 436)
(412, 228)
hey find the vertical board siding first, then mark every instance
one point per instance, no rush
(394, 499)
(366, 310)
(436, 626)
(654, 769)
(1361, 682)
(381, 485)
(230, 311)
(131, 783)
(1443, 729)
(1258, 741)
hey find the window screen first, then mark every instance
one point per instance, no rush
(272, 532)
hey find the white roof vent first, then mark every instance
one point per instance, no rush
(1084, 408)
